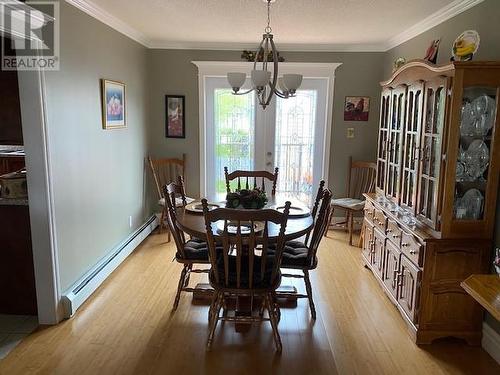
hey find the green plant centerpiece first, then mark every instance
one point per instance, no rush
(249, 199)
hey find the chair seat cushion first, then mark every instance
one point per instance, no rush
(295, 255)
(259, 281)
(178, 201)
(350, 203)
(195, 249)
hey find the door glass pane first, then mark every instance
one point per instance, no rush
(474, 154)
(294, 144)
(234, 122)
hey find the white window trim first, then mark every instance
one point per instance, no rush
(208, 69)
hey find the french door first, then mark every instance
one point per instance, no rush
(288, 134)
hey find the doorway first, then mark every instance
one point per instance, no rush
(290, 134)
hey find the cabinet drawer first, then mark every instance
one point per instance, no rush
(394, 232)
(369, 210)
(379, 220)
(412, 248)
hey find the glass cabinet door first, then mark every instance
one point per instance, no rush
(385, 113)
(398, 111)
(411, 144)
(477, 124)
(430, 151)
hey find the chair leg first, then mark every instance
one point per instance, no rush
(274, 322)
(351, 218)
(329, 222)
(168, 234)
(180, 287)
(162, 218)
(214, 318)
(307, 281)
(361, 235)
(188, 274)
(346, 227)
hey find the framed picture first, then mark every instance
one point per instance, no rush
(356, 108)
(176, 120)
(113, 104)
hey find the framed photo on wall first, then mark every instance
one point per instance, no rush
(175, 115)
(356, 108)
(113, 104)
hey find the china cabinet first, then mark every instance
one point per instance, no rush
(430, 223)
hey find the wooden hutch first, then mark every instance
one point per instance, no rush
(430, 223)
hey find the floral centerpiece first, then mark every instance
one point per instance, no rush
(249, 199)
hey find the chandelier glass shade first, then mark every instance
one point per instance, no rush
(264, 76)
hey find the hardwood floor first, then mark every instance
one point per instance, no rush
(127, 328)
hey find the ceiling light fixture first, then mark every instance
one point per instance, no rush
(265, 87)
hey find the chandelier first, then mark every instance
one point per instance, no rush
(262, 83)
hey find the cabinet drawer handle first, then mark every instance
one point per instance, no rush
(413, 251)
(395, 236)
(404, 244)
(389, 231)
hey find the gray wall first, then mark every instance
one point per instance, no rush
(171, 72)
(485, 19)
(97, 174)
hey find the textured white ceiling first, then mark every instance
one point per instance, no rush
(195, 23)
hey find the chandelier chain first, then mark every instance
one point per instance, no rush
(268, 28)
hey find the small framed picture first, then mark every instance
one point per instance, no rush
(113, 104)
(356, 108)
(176, 120)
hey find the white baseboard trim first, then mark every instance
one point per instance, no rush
(491, 342)
(75, 296)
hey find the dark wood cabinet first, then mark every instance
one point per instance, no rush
(11, 164)
(11, 132)
(430, 223)
(17, 275)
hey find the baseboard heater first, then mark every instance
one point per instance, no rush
(83, 288)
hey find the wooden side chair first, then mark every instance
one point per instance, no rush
(247, 176)
(189, 253)
(301, 256)
(360, 179)
(165, 171)
(245, 266)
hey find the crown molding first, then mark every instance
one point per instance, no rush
(224, 46)
(442, 15)
(107, 18)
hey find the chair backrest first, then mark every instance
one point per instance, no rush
(242, 260)
(317, 201)
(166, 171)
(246, 175)
(320, 223)
(170, 192)
(361, 178)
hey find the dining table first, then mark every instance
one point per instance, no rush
(299, 223)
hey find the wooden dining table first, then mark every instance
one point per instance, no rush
(297, 226)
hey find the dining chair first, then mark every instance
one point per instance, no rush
(360, 179)
(165, 171)
(246, 175)
(245, 266)
(300, 255)
(189, 253)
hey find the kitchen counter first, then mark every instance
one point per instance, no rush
(11, 151)
(13, 202)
